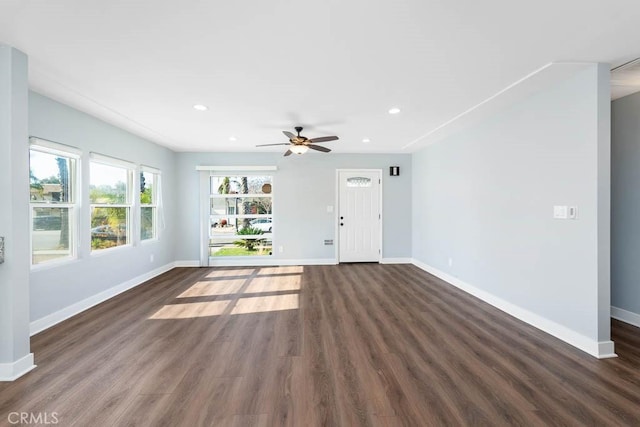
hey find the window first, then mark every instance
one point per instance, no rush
(149, 195)
(111, 202)
(240, 216)
(358, 181)
(53, 184)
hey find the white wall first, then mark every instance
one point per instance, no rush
(484, 197)
(625, 205)
(303, 188)
(56, 288)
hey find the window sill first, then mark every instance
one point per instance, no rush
(54, 264)
(101, 252)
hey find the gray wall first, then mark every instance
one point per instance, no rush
(484, 197)
(55, 288)
(625, 203)
(14, 209)
(303, 188)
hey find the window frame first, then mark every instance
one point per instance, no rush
(240, 172)
(155, 203)
(73, 205)
(130, 199)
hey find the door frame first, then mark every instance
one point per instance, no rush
(337, 211)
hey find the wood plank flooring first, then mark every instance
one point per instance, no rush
(346, 345)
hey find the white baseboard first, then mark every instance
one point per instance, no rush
(54, 318)
(597, 349)
(396, 261)
(269, 262)
(187, 263)
(13, 371)
(625, 316)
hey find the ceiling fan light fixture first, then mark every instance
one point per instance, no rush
(394, 110)
(299, 149)
(200, 107)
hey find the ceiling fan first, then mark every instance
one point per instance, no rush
(300, 144)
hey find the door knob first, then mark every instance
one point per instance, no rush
(341, 217)
(341, 224)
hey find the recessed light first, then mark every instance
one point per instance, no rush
(233, 138)
(366, 140)
(200, 107)
(394, 110)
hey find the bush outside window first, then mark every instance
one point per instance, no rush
(111, 202)
(241, 216)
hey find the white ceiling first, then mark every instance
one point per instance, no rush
(335, 67)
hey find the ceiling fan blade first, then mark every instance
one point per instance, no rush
(324, 139)
(289, 134)
(288, 153)
(267, 145)
(319, 148)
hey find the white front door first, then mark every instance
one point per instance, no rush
(359, 215)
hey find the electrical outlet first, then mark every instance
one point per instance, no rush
(151, 258)
(280, 249)
(450, 262)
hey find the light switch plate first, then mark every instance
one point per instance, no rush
(1, 250)
(560, 212)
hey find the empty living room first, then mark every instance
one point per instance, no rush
(319, 213)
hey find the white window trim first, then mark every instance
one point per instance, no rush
(238, 170)
(149, 169)
(111, 161)
(51, 147)
(62, 150)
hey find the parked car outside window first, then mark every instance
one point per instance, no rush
(263, 224)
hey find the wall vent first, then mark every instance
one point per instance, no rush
(328, 242)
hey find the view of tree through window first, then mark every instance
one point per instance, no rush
(148, 204)
(109, 195)
(52, 176)
(241, 216)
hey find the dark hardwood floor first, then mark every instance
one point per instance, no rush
(347, 345)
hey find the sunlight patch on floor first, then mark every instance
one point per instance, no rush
(230, 273)
(266, 304)
(267, 284)
(191, 310)
(281, 270)
(205, 289)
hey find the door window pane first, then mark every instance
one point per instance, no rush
(358, 181)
